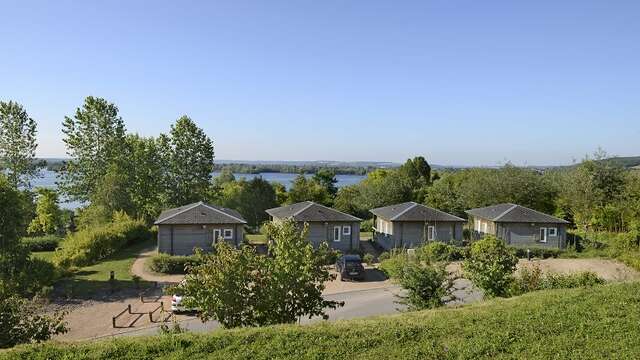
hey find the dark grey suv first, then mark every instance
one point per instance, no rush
(350, 267)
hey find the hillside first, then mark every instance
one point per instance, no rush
(601, 322)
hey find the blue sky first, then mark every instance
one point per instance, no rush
(462, 82)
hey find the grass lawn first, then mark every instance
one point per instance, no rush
(91, 280)
(588, 323)
(256, 239)
(366, 235)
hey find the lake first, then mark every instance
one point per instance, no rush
(48, 179)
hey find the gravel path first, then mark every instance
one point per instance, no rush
(139, 268)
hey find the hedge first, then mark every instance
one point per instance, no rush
(172, 264)
(42, 243)
(537, 252)
(91, 245)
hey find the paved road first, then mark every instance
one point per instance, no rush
(358, 304)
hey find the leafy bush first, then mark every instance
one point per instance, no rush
(537, 252)
(22, 321)
(368, 259)
(439, 251)
(326, 255)
(366, 225)
(384, 256)
(394, 266)
(168, 264)
(490, 266)
(427, 286)
(42, 243)
(533, 279)
(92, 244)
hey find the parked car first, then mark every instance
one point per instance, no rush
(350, 267)
(176, 304)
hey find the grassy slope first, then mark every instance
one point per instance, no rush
(602, 322)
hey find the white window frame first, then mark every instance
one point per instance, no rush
(431, 232)
(338, 232)
(546, 234)
(552, 231)
(346, 230)
(485, 227)
(230, 236)
(219, 235)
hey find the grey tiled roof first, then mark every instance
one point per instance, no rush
(200, 213)
(514, 213)
(308, 211)
(411, 211)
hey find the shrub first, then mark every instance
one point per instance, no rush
(490, 266)
(533, 279)
(368, 259)
(23, 321)
(427, 286)
(384, 256)
(327, 255)
(41, 243)
(92, 244)
(537, 252)
(366, 225)
(172, 264)
(394, 265)
(438, 251)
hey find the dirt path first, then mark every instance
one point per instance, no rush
(139, 268)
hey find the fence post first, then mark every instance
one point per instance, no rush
(113, 322)
(150, 316)
(129, 308)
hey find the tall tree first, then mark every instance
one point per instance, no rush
(146, 174)
(48, 219)
(327, 178)
(250, 198)
(17, 143)
(189, 156)
(304, 189)
(95, 139)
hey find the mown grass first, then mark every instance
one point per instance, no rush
(587, 323)
(256, 239)
(89, 281)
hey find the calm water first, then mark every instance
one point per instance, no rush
(48, 180)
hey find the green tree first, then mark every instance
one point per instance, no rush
(95, 139)
(428, 286)
(327, 178)
(490, 266)
(146, 177)
(189, 156)
(237, 287)
(250, 198)
(17, 143)
(297, 275)
(281, 193)
(348, 200)
(304, 189)
(48, 219)
(22, 321)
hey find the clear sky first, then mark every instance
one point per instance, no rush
(463, 82)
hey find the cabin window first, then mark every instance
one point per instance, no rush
(431, 232)
(346, 230)
(336, 233)
(553, 231)
(484, 227)
(543, 235)
(228, 233)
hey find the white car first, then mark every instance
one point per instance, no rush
(176, 307)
